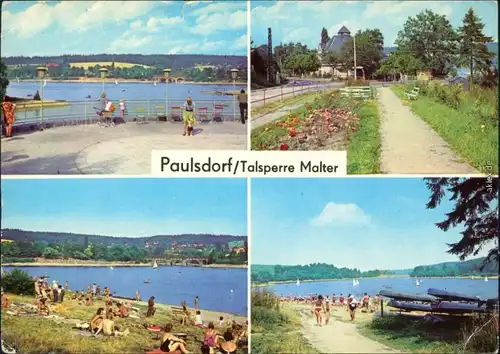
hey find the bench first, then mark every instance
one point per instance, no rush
(365, 92)
(176, 114)
(161, 115)
(140, 116)
(413, 94)
(203, 116)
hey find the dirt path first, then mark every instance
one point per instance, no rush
(409, 145)
(269, 117)
(339, 337)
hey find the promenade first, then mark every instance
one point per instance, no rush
(124, 149)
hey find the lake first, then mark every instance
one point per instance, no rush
(372, 286)
(137, 95)
(169, 285)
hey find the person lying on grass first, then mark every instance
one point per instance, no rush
(122, 311)
(171, 343)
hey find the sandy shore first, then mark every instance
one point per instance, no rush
(120, 81)
(115, 265)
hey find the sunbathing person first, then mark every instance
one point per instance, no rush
(229, 346)
(109, 310)
(122, 312)
(197, 319)
(96, 321)
(211, 336)
(88, 301)
(109, 329)
(170, 343)
(5, 302)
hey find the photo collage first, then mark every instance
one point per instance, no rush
(249, 176)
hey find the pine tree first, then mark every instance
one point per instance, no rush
(472, 50)
(476, 209)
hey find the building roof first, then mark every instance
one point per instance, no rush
(335, 43)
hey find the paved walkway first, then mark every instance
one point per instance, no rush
(269, 117)
(409, 145)
(125, 149)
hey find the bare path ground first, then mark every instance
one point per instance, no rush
(409, 145)
(338, 336)
(269, 117)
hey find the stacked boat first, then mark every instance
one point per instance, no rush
(440, 301)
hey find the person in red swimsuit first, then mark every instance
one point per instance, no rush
(319, 308)
(341, 300)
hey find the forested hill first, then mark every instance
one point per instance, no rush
(81, 239)
(453, 269)
(175, 62)
(318, 271)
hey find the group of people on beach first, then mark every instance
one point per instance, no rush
(322, 305)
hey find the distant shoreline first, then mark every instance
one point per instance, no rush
(116, 265)
(476, 277)
(99, 81)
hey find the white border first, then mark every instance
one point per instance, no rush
(249, 260)
(249, 84)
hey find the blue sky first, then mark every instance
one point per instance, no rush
(388, 16)
(126, 206)
(147, 27)
(365, 223)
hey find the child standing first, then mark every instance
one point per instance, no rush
(188, 116)
(122, 109)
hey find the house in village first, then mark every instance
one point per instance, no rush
(334, 45)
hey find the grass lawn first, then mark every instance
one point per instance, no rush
(278, 332)
(105, 63)
(40, 335)
(287, 101)
(357, 121)
(473, 140)
(418, 336)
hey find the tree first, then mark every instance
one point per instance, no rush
(334, 60)
(324, 38)
(369, 50)
(400, 62)
(476, 209)
(472, 49)
(4, 82)
(430, 38)
(303, 63)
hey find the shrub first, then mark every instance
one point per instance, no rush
(358, 82)
(18, 260)
(18, 282)
(481, 334)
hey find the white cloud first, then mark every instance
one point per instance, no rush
(128, 42)
(72, 15)
(154, 23)
(241, 42)
(208, 23)
(341, 214)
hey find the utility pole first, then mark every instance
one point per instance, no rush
(355, 66)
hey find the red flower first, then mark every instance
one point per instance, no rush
(292, 132)
(284, 147)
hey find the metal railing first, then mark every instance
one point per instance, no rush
(74, 112)
(275, 93)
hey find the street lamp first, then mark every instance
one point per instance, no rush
(234, 75)
(103, 72)
(166, 73)
(40, 74)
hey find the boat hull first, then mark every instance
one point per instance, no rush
(408, 296)
(451, 296)
(409, 306)
(457, 308)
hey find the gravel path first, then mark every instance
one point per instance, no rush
(409, 145)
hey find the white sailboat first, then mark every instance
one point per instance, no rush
(155, 265)
(17, 79)
(418, 283)
(154, 83)
(355, 282)
(298, 282)
(44, 83)
(111, 268)
(485, 278)
(116, 82)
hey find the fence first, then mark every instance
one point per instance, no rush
(81, 112)
(274, 93)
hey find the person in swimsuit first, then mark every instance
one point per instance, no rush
(341, 300)
(196, 300)
(151, 307)
(352, 304)
(9, 115)
(334, 299)
(170, 343)
(366, 302)
(211, 336)
(327, 311)
(319, 308)
(96, 321)
(189, 116)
